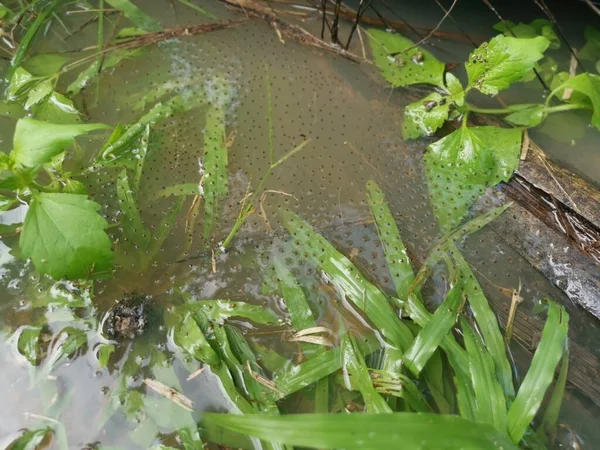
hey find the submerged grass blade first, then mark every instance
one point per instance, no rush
(367, 431)
(164, 228)
(547, 430)
(487, 324)
(541, 372)
(178, 190)
(435, 330)
(215, 167)
(489, 397)
(133, 227)
(301, 315)
(344, 275)
(219, 310)
(135, 15)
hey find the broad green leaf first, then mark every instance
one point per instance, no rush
(487, 323)
(539, 27)
(64, 236)
(7, 203)
(215, 168)
(103, 353)
(189, 337)
(93, 70)
(138, 17)
(133, 227)
(425, 116)
(530, 115)
(20, 83)
(219, 310)
(365, 431)
(29, 345)
(57, 109)
(301, 315)
(435, 330)
(180, 190)
(490, 402)
(345, 277)
(30, 440)
(354, 364)
(395, 252)
(46, 64)
(454, 87)
(541, 372)
(407, 67)
(496, 64)
(465, 396)
(37, 142)
(39, 93)
(461, 165)
(587, 85)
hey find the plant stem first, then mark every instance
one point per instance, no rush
(566, 107)
(514, 108)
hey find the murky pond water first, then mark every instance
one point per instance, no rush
(349, 121)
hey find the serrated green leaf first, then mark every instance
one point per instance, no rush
(425, 116)
(29, 344)
(64, 236)
(461, 165)
(586, 87)
(530, 115)
(74, 187)
(138, 17)
(406, 67)
(538, 27)
(496, 64)
(490, 402)
(455, 88)
(541, 372)
(366, 431)
(36, 142)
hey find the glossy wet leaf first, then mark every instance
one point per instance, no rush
(20, 83)
(541, 372)
(365, 431)
(496, 64)
(435, 330)
(29, 344)
(138, 17)
(61, 246)
(549, 423)
(301, 315)
(455, 88)
(528, 116)
(395, 252)
(538, 27)
(36, 142)
(414, 66)
(354, 364)
(219, 310)
(489, 398)
(30, 440)
(133, 227)
(425, 116)
(461, 165)
(487, 324)
(345, 277)
(39, 93)
(215, 168)
(188, 336)
(586, 87)
(104, 352)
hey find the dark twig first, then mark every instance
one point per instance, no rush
(324, 21)
(336, 20)
(465, 34)
(359, 12)
(594, 7)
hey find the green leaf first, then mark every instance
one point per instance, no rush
(189, 337)
(179, 190)
(37, 142)
(164, 228)
(435, 330)
(425, 116)
(20, 83)
(366, 431)
(301, 315)
(74, 187)
(406, 67)
(461, 165)
(56, 109)
(587, 85)
(133, 227)
(496, 64)
(30, 440)
(487, 323)
(215, 167)
(454, 87)
(29, 344)
(219, 310)
(103, 352)
(138, 17)
(489, 399)
(541, 372)
(547, 429)
(46, 64)
(39, 93)
(529, 115)
(539, 27)
(64, 236)
(345, 277)
(7, 203)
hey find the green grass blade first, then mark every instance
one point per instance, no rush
(220, 310)
(465, 397)
(188, 336)
(434, 331)
(348, 279)
(141, 158)
(164, 228)
(322, 396)
(547, 430)
(486, 323)
(367, 431)
(179, 190)
(133, 227)
(198, 9)
(135, 15)
(393, 247)
(357, 370)
(215, 167)
(301, 315)
(541, 372)
(489, 397)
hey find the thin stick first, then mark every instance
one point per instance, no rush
(594, 7)
(514, 302)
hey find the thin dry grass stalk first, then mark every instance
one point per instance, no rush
(170, 394)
